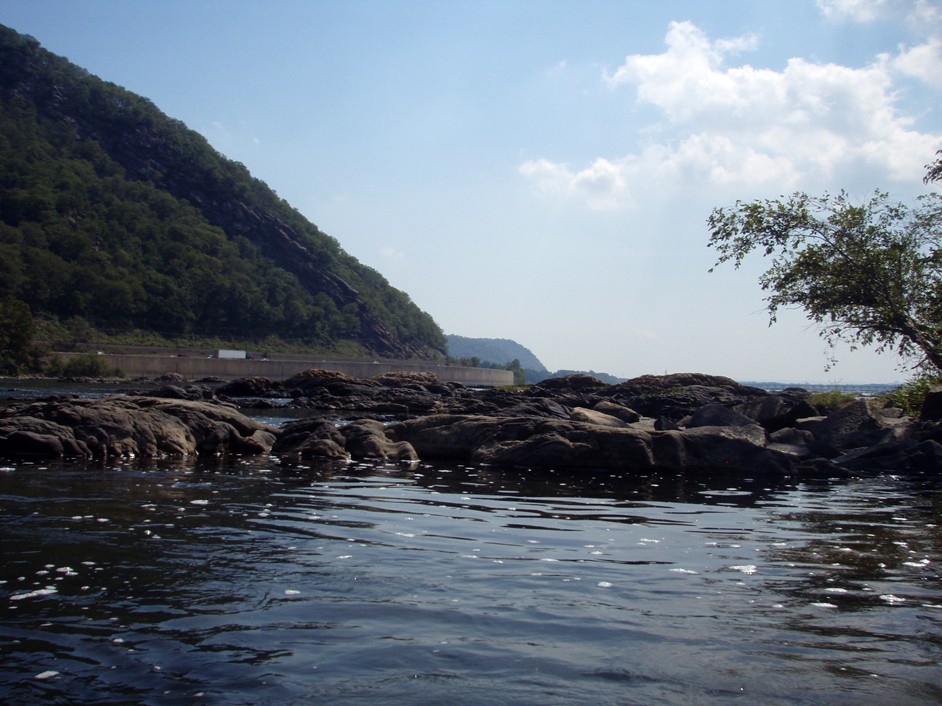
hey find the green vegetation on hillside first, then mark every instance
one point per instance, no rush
(118, 217)
(500, 351)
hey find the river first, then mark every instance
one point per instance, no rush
(249, 582)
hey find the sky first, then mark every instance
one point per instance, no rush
(541, 170)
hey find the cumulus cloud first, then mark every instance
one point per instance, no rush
(923, 62)
(737, 124)
(602, 185)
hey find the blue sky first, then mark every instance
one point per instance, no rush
(543, 170)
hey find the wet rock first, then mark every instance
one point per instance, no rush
(315, 438)
(127, 427)
(367, 439)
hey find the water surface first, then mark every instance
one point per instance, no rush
(251, 582)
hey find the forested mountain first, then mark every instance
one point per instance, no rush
(114, 214)
(499, 351)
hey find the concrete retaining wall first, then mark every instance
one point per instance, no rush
(194, 368)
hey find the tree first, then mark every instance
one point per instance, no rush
(16, 336)
(868, 274)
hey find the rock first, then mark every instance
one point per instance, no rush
(856, 425)
(128, 427)
(592, 416)
(626, 414)
(932, 405)
(367, 439)
(315, 438)
(713, 415)
(246, 387)
(673, 397)
(577, 382)
(925, 457)
(321, 438)
(794, 442)
(570, 444)
(778, 411)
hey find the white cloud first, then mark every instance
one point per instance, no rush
(601, 186)
(921, 15)
(854, 10)
(391, 253)
(923, 62)
(741, 125)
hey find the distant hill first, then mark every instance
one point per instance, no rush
(499, 351)
(117, 217)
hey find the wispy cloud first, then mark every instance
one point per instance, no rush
(391, 253)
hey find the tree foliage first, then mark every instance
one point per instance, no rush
(868, 274)
(16, 337)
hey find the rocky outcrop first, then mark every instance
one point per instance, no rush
(705, 423)
(126, 427)
(525, 441)
(323, 439)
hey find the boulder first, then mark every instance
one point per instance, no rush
(127, 427)
(321, 438)
(592, 416)
(932, 405)
(713, 415)
(778, 411)
(246, 387)
(315, 438)
(854, 426)
(673, 397)
(367, 439)
(626, 414)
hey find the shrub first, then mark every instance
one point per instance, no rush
(831, 400)
(910, 395)
(87, 365)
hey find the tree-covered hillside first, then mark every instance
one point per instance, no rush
(113, 214)
(499, 351)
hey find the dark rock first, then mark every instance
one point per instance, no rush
(821, 469)
(311, 438)
(932, 405)
(577, 382)
(569, 444)
(778, 411)
(925, 457)
(246, 387)
(592, 416)
(367, 439)
(626, 414)
(676, 396)
(856, 425)
(127, 427)
(713, 415)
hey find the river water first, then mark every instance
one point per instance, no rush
(249, 582)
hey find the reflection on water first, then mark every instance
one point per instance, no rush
(257, 583)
